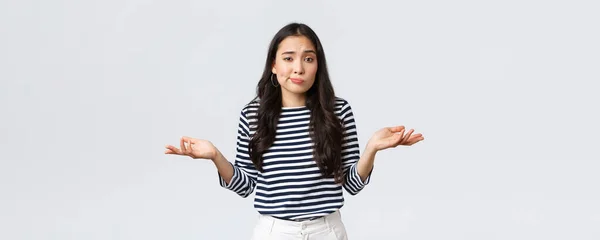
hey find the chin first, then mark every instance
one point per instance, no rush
(297, 89)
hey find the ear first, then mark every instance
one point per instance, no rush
(273, 70)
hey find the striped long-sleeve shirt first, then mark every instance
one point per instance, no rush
(291, 186)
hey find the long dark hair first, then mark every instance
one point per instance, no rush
(325, 127)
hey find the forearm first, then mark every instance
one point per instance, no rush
(365, 163)
(223, 166)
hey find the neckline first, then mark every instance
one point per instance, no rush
(293, 108)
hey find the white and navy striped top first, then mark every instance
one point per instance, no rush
(291, 186)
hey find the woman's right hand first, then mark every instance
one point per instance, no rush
(194, 148)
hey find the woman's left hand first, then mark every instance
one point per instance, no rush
(391, 137)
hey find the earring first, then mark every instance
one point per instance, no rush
(273, 82)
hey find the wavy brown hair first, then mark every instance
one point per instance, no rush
(325, 127)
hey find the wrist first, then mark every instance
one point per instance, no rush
(370, 150)
(217, 156)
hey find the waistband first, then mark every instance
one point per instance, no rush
(299, 219)
(335, 216)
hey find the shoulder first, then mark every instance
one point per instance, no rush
(341, 102)
(342, 107)
(250, 108)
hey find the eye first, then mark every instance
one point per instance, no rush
(287, 59)
(309, 59)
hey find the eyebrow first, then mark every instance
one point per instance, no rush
(292, 52)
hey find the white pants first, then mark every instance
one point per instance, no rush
(329, 227)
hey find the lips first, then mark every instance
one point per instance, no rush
(296, 80)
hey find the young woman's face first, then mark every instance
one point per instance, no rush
(295, 65)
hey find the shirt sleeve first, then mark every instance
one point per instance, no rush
(351, 152)
(244, 172)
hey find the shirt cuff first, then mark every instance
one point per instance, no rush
(233, 181)
(356, 180)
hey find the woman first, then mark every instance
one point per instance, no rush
(297, 144)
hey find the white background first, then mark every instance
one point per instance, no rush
(91, 91)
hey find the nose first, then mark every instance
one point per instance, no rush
(298, 67)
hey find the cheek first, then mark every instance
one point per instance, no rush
(283, 71)
(281, 66)
(312, 71)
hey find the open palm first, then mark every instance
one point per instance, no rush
(391, 137)
(194, 148)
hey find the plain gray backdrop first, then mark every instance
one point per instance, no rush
(503, 91)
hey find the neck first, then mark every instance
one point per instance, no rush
(293, 100)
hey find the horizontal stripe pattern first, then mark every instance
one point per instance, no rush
(291, 187)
